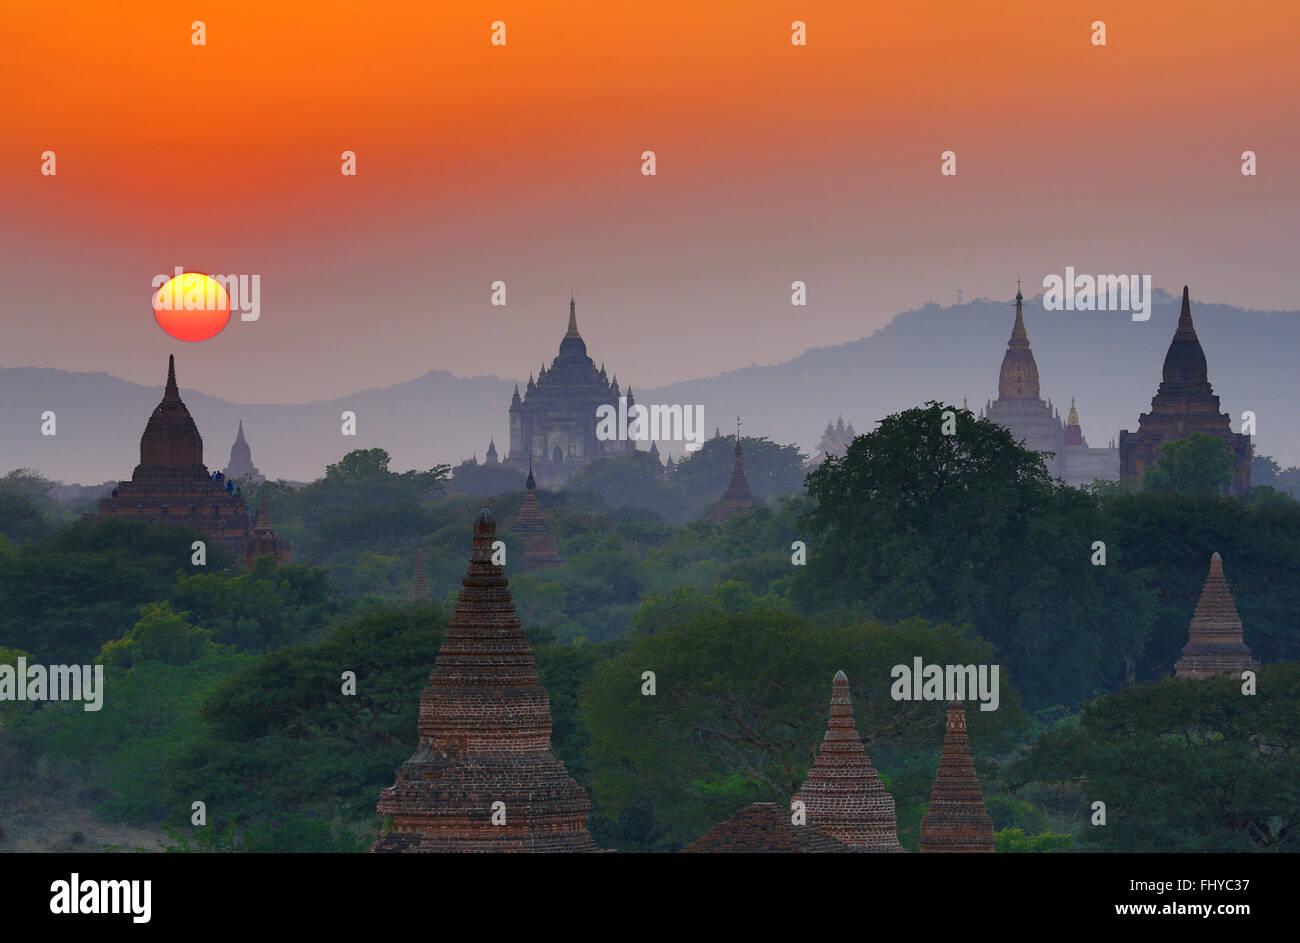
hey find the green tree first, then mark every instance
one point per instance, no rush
(1183, 766)
(160, 637)
(967, 528)
(1195, 464)
(27, 508)
(740, 709)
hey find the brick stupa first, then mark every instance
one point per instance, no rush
(419, 591)
(541, 548)
(485, 738)
(764, 828)
(842, 794)
(737, 498)
(171, 483)
(957, 820)
(1215, 644)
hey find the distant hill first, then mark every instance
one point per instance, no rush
(1110, 363)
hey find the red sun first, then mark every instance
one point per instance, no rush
(192, 307)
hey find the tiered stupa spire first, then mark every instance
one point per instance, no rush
(541, 547)
(957, 819)
(483, 777)
(842, 794)
(1018, 378)
(419, 591)
(737, 498)
(1215, 643)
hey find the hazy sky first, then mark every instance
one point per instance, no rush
(523, 163)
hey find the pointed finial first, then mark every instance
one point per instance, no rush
(1185, 315)
(171, 389)
(1019, 297)
(531, 483)
(573, 318)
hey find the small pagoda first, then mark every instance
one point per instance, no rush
(842, 794)
(1215, 643)
(541, 547)
(419, 591)
(737, 499)
(957, 821)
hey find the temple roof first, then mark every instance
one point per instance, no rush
(171, 441)
(1018, 378)
(1185, 366)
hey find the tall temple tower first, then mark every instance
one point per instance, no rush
(241, 459)
(1215, 643)
(957, 819)
(842, 794)
(1036, 424)
(172, 484)
(1184, 404)
(541, 548)
(737, 499)
(483, 777)
(555, 419)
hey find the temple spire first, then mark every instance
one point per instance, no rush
(239, 436)
(1018, 378)
(172, 391)
(1185, 315)
(573, 318)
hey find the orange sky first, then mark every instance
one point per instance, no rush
(521, 163)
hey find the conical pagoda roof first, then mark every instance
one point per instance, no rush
(1215, 643)
(842, 794)
(171, 445)
(485, 737)
(957, 819)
